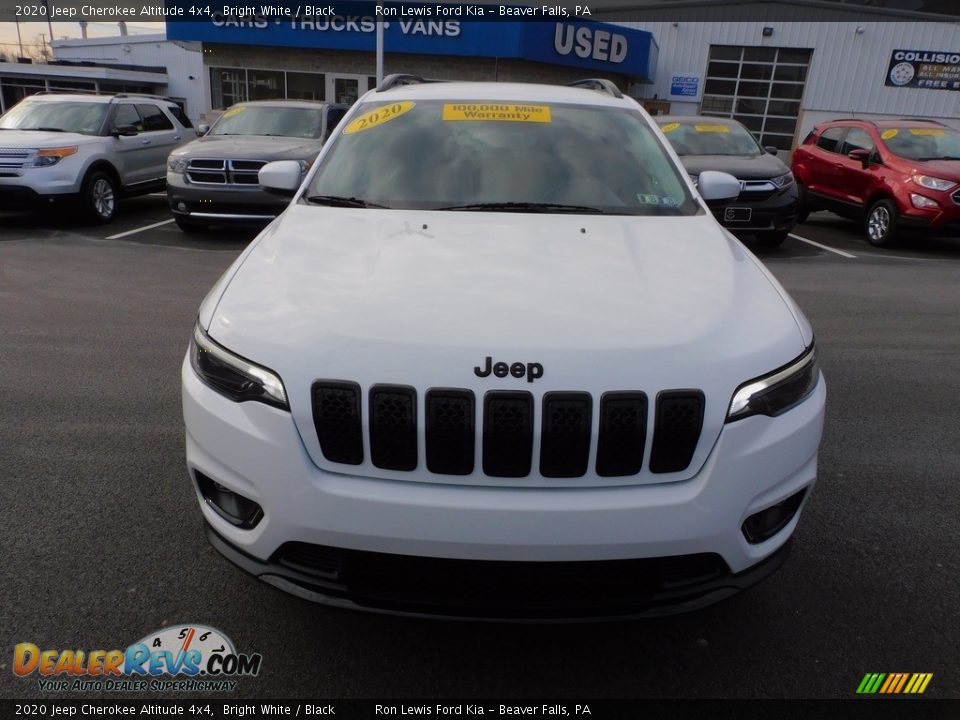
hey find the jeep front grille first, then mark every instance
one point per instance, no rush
(506, 430)
(235, 173)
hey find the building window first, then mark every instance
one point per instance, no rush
(265, 85)
(306, 86)
(759, 86)
(228, 86)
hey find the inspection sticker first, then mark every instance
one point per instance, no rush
(382, 114)
(712, 128)
(497, 112)
(927, 131)
(891, 133)
(669, 127)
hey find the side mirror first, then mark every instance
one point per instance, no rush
(717, 188)
(860, 154)
(771, 149)
(281, 177)
(124, 131)
(203, 129)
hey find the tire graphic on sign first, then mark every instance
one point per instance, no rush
(901, 73)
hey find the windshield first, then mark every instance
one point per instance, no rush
(270, 120)
(711, 138)
(494, 156)
(66, 116)
(923, 143)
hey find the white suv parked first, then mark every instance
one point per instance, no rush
(86, 149)
(498, 359)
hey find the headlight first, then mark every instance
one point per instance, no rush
(933, 183)
(51, 156)
(783, 181)
(231, 375)
(776, 392)
(177, 164)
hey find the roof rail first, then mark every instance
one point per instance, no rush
(398, 79)
(143, 95)
(850, 119)
(600, 84)
(929, 120)
(78, 91)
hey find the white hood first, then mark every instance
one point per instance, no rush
(39, 139)
(420, 298)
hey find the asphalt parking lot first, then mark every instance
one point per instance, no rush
(102, 543)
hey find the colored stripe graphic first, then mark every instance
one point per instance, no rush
(894, 683)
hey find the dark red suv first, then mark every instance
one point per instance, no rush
(894, 175)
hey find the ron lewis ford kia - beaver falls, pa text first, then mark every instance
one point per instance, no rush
(497, 359)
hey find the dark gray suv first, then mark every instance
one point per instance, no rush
(213, 180)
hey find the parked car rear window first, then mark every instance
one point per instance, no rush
(829, 138)
(711, 138)
(68, 116)
(270, 120)
(926, 143)
(442, 154)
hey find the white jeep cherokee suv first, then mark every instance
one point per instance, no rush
(497, 359)
(86, 150)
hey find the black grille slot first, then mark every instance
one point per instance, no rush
(324, 562)
(507, 433)
(450, 431)
(393, 427)
(677, 430)
(623, 433)
(336, 414)
(565, 438)
(201, 164)
(248, 165)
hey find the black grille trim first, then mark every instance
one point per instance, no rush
(676, 430)
(507, 433)
(393, 427)
(338, 420)
(622, 433)
(450, 431)
(565, 436)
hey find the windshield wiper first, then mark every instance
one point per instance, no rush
(341, 201)
(942, 157)
(524, 207)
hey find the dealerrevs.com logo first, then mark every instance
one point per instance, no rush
(180, 658)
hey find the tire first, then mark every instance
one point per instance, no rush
(802, 204)
(772, 238)
(188, 226)
(100, 197)
(880, 224)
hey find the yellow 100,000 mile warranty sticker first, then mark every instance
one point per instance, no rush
(497, 112)
(373, 118)
(711, 128)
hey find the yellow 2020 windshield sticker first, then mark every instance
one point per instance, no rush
(373, 118)
(234, 111)
(712, 128)
(498, 112)
(669, 127)
(887, 134)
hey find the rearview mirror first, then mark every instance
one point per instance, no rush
(281, 177)
(717, 188)
(124, 131)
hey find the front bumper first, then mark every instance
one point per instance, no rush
(256, 451)
(26, 199)
(777, 213)
(214, 205)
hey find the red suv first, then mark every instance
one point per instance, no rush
(894, 175)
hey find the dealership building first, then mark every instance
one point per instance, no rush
(779, 67)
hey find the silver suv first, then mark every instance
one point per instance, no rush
(87, 149)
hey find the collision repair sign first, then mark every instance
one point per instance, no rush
(931, 69)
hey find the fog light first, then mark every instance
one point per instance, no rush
(232, 507)
(767, 523)
(182, 206)
(919, 201)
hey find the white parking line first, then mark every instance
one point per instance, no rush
(134, 232)
(823, 247)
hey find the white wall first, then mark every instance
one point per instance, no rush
(847, 69)
(150, 50)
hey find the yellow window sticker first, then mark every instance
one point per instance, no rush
(934, 132)
(669, 127)
(891, 133)
(498, 112)
(373, 118)
(234, 111)
(712, 128)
